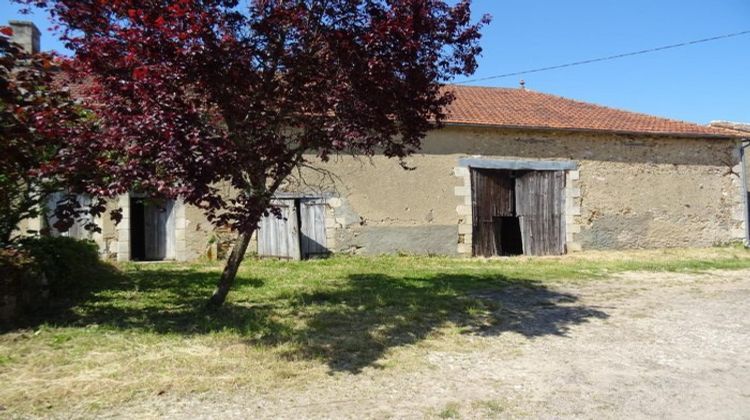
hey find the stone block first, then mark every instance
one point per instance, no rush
(574, 210)
(461, 171)
(464, 249)
(574, 247)
(123, 233)
(574, 175)
(463, 210)
(124, 203)
(465, 229)
(462, 191)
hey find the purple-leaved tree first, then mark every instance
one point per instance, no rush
(192, 94)
(37, 119)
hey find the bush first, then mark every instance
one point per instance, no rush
(22, 285)
(66, 263)
(41, 277)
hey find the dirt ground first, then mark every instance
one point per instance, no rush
(637, 345)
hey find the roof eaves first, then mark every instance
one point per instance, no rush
(598, 131)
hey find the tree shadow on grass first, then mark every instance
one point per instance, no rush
(165, 301)
(353, 327)
(349, 324)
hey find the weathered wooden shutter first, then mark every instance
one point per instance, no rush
(492, 197)
(51, 205)
(77, 230)
(155, 221)
(313, 227)
(170, 220)
(279, 237)
(150, 232)
(540, 198)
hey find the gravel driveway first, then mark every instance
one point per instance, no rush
(637, 345)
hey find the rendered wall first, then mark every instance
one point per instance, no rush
(629, 192)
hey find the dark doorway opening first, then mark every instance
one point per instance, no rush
(508, 236)
(137, 228)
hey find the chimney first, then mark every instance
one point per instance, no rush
(26, 34)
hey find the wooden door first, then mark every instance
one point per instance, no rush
(155, 231)
(279, 237)
(78, 229)
(540, 199)
(492, 197)
(312, 227)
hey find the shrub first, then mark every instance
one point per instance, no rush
(22, 286)
(43, 277)
(66, 263)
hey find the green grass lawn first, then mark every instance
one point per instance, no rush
(144, 330)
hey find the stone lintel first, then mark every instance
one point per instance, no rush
(518, 165)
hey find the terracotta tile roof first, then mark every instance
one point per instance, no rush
(741, 128)
(518, 108)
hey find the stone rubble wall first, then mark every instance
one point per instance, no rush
(628, 191)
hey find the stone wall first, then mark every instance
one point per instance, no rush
(382, 208)
(26, 34)
(628, 191)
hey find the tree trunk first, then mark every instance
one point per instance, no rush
(230, 270)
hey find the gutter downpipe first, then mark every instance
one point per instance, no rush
(745, 144)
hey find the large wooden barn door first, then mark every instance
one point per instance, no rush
(492, 199)
(540, 197)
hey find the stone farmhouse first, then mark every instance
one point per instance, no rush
(513, 172)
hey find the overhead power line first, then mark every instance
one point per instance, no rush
(611, 57)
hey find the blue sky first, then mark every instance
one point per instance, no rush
(697, 83)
